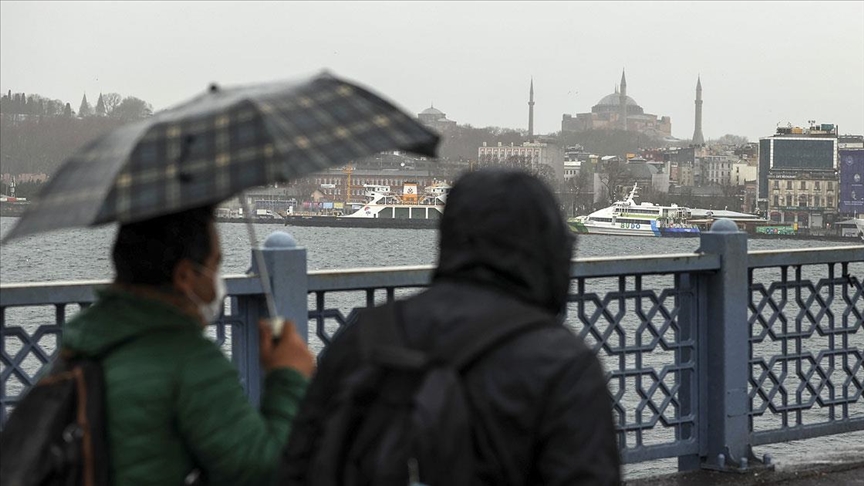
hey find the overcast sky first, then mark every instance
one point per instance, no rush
(761, 63)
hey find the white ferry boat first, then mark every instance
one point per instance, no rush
(382, 203)
(629, 218)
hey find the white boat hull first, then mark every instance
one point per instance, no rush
(599, 229)
(398, 211)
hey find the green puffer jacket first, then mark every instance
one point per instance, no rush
(174, 402)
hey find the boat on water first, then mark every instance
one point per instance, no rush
(629, 218)
(382, 203)
(384, 208)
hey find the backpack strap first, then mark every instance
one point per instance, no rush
(481, 337)
(381, 339)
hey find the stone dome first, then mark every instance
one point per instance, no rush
(614, 99)
(432, 111)
(611, 103)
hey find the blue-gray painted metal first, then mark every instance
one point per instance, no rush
(668, 328)
(288, 278)
(725, 409)
(806, 256)
(806, 343)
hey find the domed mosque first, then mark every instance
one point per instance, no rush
(617, 111)
(436, 119)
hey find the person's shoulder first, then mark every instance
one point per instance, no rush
(558, 337)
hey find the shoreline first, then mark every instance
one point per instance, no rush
(388, 223)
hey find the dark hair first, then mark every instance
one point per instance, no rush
(146, 252)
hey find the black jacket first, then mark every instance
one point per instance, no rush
(543, 413)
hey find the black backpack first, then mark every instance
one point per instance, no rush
(56, 435)
(402, 418)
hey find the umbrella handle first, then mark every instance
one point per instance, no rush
(263, 273)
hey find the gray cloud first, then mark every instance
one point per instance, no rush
(761, 63)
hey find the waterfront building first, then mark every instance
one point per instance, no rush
(347, 184)
(742, 172)
(798, 175)
(618, 111)
(716, 170)
(571, 169)
(528, 155)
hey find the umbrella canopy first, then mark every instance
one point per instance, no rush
(218, 144)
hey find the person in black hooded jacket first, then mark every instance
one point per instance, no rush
(540, 405)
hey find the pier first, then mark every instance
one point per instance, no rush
(708, 354)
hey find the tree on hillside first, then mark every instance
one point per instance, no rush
(729, 139)
(607, 142)
(578, 190)
(67, 112)
(85, 109)
(100, 106)
(111, 101)
(40, 144)
(613, 174)
(132, 108)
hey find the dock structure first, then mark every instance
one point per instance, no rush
(708, 354)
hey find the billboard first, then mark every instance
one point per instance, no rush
(795, 153)
(851, 181)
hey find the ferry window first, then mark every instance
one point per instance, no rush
(776, 201)
(788, 184)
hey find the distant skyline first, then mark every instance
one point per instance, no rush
(761, 63)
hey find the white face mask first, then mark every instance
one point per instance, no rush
(210, 311)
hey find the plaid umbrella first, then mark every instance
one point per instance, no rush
(215, 146)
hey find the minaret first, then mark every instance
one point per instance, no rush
(698, 139)
(622, 101)
(531, 111)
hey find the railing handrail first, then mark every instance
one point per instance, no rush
(33, 293)
(805, 256)
(71, 291)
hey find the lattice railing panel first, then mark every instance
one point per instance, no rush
(643, 330)
(806, 345)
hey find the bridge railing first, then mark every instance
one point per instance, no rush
(707, 354)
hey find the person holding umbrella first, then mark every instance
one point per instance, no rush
(174, 405)
(175, 408)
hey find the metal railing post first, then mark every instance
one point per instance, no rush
(724, 411)
(286, 264)
(244, 347)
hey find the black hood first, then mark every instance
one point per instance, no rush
(503, 228)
